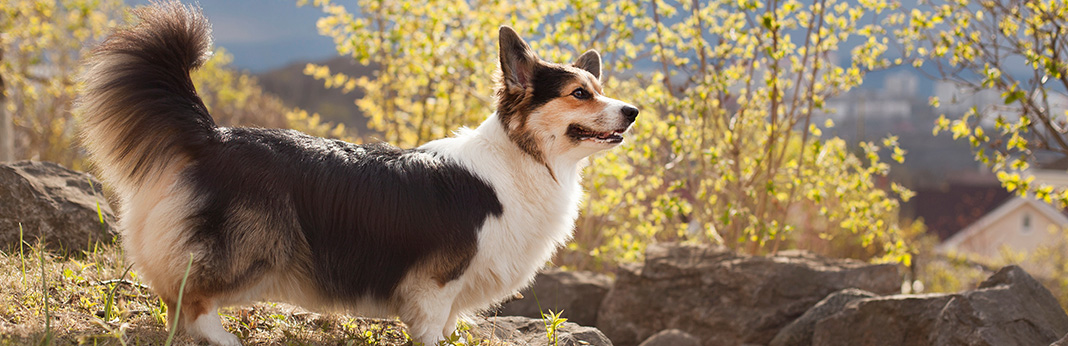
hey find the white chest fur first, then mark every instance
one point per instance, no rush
(539, 212)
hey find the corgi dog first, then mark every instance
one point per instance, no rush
(429, 235)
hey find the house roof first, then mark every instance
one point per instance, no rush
(950, 208)
(1001, 211)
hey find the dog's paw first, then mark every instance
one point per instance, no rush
(209, 328)
(427, 340)
(223, 339)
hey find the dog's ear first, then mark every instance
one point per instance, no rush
(517, 60)
(591, 62)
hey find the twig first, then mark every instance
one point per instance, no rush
(119, 281)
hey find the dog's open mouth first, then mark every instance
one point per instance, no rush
(581, 133)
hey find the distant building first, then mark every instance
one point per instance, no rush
(955, 100)
(872, 113)
(1053, 173)
(902, 84)
(1020, 224)
(873, 105)
(959, 201)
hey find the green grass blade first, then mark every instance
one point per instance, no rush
(108, 305)
(47, 340)
(178, 306)
(99, 212)
(22, 255)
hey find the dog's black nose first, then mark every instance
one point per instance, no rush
(630, 112)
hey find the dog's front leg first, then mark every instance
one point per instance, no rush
(429, 314)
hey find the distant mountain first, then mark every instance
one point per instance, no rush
(299, 90)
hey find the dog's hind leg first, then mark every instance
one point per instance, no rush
(198, 318)
(172, 321)
(201, 320)
(208, 326)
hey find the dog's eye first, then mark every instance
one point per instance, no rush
(581, 94)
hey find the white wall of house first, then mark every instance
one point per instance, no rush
(1021, 225)
(1021, 230)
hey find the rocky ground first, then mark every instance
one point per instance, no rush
(700, 295)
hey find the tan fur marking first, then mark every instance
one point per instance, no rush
(152, 219)
(447, 266)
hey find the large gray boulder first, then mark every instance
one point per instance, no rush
(724, 298)
(901, 320)
(523, 331)
(799, 332)
(54, 202)
(577, 294)
(1009, 308)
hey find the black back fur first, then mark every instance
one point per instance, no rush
(367, 213)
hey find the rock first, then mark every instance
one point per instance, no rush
(523, 331)
(799, 332)
(671, 337)
(900, 320)
(1009, 308)
(723, 298)
(577, 294)
(1062, 342)
(54, 202)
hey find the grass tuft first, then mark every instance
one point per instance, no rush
(110, 303)
(178, 306)
(553, 321)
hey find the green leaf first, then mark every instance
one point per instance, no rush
(1012, 96)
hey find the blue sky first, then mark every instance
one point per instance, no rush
(264, 34)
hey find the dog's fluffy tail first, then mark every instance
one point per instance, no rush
(140, 112)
